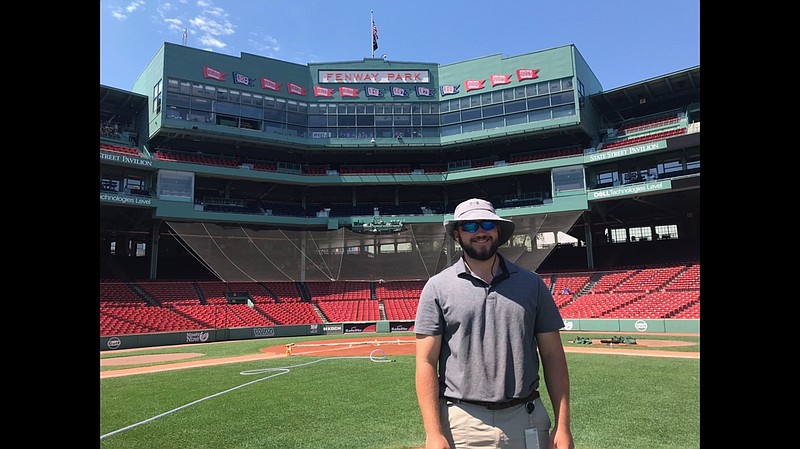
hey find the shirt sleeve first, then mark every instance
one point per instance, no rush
(430, 320)
(548, 317)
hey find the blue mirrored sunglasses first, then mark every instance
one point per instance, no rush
(473, 226)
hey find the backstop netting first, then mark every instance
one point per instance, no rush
(237, 252)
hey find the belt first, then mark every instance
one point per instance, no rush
(496, 405)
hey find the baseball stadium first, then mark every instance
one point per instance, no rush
(257, 211)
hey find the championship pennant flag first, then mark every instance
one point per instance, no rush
(374, 35)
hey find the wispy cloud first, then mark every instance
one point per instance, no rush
(212, 24)
(122, 13)
(263, 44)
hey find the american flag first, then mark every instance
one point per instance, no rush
(374, 36)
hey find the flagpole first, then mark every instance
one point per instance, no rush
(371, 32)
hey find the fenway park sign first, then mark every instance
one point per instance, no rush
(373, 76)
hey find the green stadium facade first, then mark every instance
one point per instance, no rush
(255, 169)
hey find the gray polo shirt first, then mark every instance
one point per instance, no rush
(488, 331)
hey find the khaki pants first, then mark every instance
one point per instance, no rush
(473, 426)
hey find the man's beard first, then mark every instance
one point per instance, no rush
(481, 253)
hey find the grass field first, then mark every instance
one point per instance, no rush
(618, 402)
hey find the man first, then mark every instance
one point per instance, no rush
(481, 326)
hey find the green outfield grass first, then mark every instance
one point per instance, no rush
(618, 402)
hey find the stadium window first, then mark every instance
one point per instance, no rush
(618, 235)
(222, 94)
(134, 183)
(139, 249)
(493, 111)
(455, 105)
(451, 130)
(274, 115)
(250, 124)
(430, 120)
(365, 120)
(564, 111)
(317, 121)
(607, 179)
(538, 116)
(555, 86)
(227, 120)
(199, 90)
(517, 119)
(296, 130)
(246, 98)
(347, 120)
(109, 183)
(451, 117)
(492, 123)
(177, 100)
(297, 118)
(201, 104)
(673, 166)
(514, 106)
(640, 234)
(471, 126)
(568, 178)
(665, 232)
(157, 97)
(538, 103)
(544, 88)
(252, 111)
(470, 114)
(563, 98)
(226, 107)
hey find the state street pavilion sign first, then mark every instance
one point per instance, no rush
(373, 76)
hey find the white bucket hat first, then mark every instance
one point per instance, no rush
(476, 209)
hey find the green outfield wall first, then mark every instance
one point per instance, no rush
(132, 341)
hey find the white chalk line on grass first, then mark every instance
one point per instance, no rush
(356, 343)
(377, 356)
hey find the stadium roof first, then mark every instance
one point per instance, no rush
(653, 96)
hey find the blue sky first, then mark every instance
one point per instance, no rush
(623, 41)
